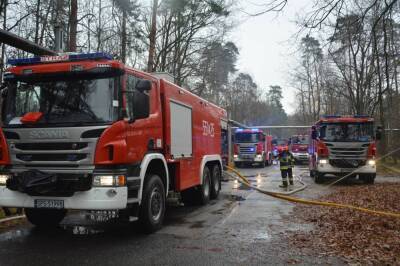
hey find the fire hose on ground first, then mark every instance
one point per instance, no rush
(285, 196)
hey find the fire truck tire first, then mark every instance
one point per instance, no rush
(199, 195)
(262, 164)
(368, 178)
(203, 197)
(312, 173)
(215, 182)
(238, 165)
(152, 209)
(45, 217)
(318, 177)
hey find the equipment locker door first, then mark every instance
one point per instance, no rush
(181, 130)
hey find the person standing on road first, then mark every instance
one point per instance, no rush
(292, 162)
(284, 166)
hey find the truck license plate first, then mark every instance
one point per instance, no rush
(49, 204)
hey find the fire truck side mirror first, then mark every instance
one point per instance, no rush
(314, 133)
(378, 133)
(143, 85)
(141, 105)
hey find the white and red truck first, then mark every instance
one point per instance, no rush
(343, 145)
(298, 146)
(85, 132)
(252, 146)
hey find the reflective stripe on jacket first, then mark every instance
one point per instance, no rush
(284, 162)
(292, 161)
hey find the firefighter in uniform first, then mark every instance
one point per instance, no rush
(292, 162)
(284, 166)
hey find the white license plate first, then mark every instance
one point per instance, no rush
(49, 204)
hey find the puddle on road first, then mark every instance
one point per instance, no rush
(262, 236)
(236, 198)
(82, 230)
(12, 234)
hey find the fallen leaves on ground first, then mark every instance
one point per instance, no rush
(353, 235)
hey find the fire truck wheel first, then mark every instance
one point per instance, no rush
(238, 165)
(152, 209)
(215, 182)
(45, 217)
(318, 177)
(205, 189)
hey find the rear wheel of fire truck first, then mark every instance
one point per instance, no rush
(45, 217)
(203, 196)
(215, 182)
(199, 195)
(368, 178)
(318, 177)
(152, 209)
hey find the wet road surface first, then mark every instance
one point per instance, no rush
(242, 227)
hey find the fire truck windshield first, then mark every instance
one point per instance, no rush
(346, 132)
(247, 137)
(62, 101)
(299, 140)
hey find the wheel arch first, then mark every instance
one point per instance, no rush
(210, 160)
(154, 163)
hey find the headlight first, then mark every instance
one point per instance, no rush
(109, 181)
(371, 162)
(3, 179)
(259, 156)
(235, 156)
(323, 161)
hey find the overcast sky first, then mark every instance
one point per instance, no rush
(266, 45)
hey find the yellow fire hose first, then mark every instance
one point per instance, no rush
(282, 196)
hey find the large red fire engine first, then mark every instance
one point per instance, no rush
(252, 146)
(85, 132)
(343, 145)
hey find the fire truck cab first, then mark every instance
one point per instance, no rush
(85, 132)
(343, 145)
(299, 148)
(252, 146)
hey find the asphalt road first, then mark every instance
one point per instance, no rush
(242, 227)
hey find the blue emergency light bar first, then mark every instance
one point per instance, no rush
(58, 58)
(331, 116)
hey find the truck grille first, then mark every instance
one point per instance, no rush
(51, 146)
(73, 151)
(247, 150)
(45, 157)
(350, 151)
(346, 163)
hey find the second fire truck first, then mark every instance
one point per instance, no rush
(344, 145)
(252, 146)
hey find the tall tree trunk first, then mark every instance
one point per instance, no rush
(37, 21)
(123, 37)
(3, 46)
(73, 25)
(152, 37)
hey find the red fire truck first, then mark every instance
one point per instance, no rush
(252, 146)
(343, 145)
(299, 148)
(85, 132)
